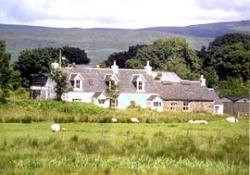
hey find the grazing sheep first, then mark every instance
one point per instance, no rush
(198, 122)
(232, 120)
(55, 127)
(114, 120)
(134, 120)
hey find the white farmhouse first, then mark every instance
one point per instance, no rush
(138, 86)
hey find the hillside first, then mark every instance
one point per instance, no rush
(99, 43)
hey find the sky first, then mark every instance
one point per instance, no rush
(121, 13)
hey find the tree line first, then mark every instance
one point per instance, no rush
(225, 62)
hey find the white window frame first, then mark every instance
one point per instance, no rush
(157, 104)
(186, 106)
(173, 106)
(140, 85)
(78, 84)
(101, 101)
(76, 100)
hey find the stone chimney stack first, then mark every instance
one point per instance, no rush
(115, 68)
(203, 81)
(148, 69)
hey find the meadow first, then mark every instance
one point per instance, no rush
(163, 143)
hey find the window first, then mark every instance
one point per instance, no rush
(186, 106)
(72, 82)
(140, 85)
(78, 83)
(113, 103)
(216, 109)
(173, 106)
(35, 94)
(101, 101)
(157, 104)
(76, 100)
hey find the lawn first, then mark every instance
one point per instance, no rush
(125, 148)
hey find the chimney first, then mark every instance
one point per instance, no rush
(148, 69)
(203, 81)
(114, 68)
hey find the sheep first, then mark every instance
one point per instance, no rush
(134, 120)
(198, 122)
(232, 120)
(114, 120)
(55, 127)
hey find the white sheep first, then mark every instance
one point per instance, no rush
(232, 120)
(198, 122)
(114, 120)
(134, 120)
(55, 127)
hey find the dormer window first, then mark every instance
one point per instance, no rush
(140, 85)
(139, 82)
(76, 81)
(109, 78)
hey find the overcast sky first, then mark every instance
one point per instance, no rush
(121, 13)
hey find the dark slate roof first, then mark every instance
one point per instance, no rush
(152, 97)
(187, 91)
(93, 81)
(40, 80)
(97, 94)
(232, 98)
(73, 76)
(107, 77)
(135, 77)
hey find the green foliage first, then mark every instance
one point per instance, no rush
(226, 64)
(32, 62)
(229, 56)
(233, 87)
(112, 92)
(75, 55)
(173, 54)
(72, 55)
(122, 57)
(4, 72)
(61, 83)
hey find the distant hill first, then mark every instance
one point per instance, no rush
(99, 43)
(211, 30)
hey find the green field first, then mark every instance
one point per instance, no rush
(107, 148)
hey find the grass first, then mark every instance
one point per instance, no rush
(106, 148)
(163, 143)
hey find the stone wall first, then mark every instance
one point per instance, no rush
(193, 106)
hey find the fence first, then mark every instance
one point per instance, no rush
(237, 109)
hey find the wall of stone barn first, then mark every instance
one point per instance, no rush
(194, 105)
(202, 106)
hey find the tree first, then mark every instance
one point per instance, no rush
(233, 87)
(229, 56)
(4, 72)
(32, 62)
(173, 54)
(122, 57)
(75, 55)
(112, 93)
(61, 83)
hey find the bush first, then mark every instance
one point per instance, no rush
(26, 119)
(12, 120)
(74, 138)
